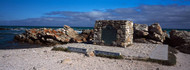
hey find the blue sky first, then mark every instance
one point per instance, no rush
(169, 13)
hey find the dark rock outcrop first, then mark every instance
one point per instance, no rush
(180, 40)
(46, 36)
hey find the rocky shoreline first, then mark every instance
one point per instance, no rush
(143, 33)
(48, 36)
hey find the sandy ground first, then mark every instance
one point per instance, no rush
(45, 59)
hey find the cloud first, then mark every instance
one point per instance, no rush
(169, 16)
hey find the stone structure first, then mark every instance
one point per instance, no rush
(113, 32)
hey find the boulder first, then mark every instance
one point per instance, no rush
(156, 33)
(155, 28)
(70, 32)
(150, 34)
(180, 40)
(140, 30)
(87, 35)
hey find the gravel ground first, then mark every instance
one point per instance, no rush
(45, 59)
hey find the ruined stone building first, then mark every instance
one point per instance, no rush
(113, 32)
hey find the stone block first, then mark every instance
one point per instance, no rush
(97, 52)
(79, 50)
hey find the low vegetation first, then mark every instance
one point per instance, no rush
(111, 57)
(60, 49)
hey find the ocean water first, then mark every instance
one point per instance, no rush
(7, 36)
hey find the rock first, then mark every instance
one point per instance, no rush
(50, 40)
(87, 35)
(86, 31)
(167, 38)
(90, 54)
(150, 34)
(157, 37)
(180, 40)
(47, 36)
(156, 33)
(67, 61)
(141, 40)
(70, 32)
(155, 28)
(140, 30)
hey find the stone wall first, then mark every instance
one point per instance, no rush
(122, 30)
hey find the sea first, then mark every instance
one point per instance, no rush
(7, 36)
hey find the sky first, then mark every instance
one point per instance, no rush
(84, 13)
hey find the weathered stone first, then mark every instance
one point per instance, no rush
(180, 40)
(90, 54)
(87, 35)
(70, 32)
(150, 34)
(113, 32)
(140, 30)
(49, 40)
(155, 28)
(156, 33)
(157, 37)
(49, 36)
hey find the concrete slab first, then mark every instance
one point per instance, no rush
(136, 51)
(160, 52)
(98, 52)
(79, 50)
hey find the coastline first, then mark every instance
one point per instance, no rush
(43, 58)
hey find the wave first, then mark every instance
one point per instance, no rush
(19, 29)
(78, 31)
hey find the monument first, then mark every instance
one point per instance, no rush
(113, 32)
